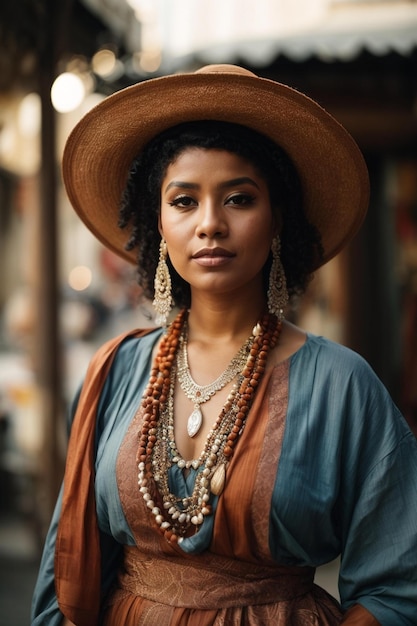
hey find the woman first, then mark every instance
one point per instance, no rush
(216, 460)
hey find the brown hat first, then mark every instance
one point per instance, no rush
(102, 146)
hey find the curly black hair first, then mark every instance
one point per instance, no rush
(140, 202)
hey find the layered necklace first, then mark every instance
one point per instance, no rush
(198, 394)
(157, 452)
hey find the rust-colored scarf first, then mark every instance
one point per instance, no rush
(77, 552)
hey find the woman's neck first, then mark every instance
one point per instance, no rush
(228, 319)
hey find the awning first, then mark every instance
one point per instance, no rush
(327, 43)
(297, 29)
(214, 31)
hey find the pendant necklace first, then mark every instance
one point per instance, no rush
(199, 394)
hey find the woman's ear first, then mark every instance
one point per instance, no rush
(160, 225)
(277, 221)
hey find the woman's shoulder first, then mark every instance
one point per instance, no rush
(296, 345)
(127, 343)
(338, 382)
(329, 354)
(117, 362)
(121, 356)
(336, 368)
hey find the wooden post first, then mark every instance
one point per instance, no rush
(49, 346)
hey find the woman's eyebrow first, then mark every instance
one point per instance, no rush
(223, 185)
(182, 185)
(238, 181)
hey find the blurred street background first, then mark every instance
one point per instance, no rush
(62, 294)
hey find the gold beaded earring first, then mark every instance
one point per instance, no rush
(163, 301)
(277, 291)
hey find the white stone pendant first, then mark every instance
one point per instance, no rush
(194, 422)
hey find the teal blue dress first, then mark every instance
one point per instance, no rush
(345, 485)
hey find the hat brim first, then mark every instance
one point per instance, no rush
(101, 147)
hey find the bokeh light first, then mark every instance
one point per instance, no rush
(67, 92)
(80, 278)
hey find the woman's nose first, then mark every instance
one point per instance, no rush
(211, 221)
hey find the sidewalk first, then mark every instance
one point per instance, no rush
(19, 559)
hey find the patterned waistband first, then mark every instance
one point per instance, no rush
(210, 581)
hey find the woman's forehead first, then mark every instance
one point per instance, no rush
(219, 164)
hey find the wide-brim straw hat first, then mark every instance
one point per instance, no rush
(104, 143)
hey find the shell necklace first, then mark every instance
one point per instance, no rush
(182, 517)
(199, 394)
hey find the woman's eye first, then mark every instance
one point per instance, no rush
(241, 199)
(182, 201)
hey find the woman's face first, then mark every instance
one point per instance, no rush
(217, 220)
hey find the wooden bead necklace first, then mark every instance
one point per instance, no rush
(157, 453)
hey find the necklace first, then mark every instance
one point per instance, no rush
(199, 394)
(180, 517)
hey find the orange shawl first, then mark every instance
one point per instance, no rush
(77, 554)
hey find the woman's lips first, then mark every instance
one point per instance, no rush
(213, 257)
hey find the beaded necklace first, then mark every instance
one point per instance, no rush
(180, 517)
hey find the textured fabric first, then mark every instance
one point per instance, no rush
(303, 610)
(347, 466)
(157, 579)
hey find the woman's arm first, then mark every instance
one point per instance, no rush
(358, 616)
(379, 498)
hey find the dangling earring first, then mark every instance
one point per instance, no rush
(163, 299)
(277, 292)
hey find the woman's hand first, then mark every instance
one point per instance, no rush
(66, 622)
